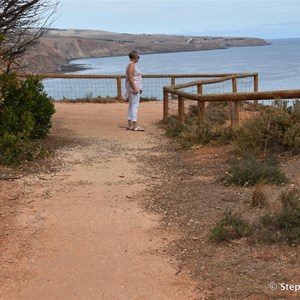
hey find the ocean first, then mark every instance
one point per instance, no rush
(278, 64)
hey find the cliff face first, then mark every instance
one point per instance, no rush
(59, 46)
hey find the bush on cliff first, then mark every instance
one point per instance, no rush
(276, 129)
(25, 116)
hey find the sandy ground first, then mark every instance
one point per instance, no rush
(116, 214)
(79, 231)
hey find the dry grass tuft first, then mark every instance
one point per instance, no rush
(259, 197)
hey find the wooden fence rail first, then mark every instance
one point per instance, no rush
(119, 78)
(234, 98)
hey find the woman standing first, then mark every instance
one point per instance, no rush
(134, 87)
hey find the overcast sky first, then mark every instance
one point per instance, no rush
(257, 18)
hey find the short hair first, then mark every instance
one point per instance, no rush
(133, 54)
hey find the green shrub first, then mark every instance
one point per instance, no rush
(295, 111)
(1, 101)
(249, 171)
(10, 149)
(284, 226)
(290, 199)
(231, 226)
(249, 137)
(280, 227)
(25, 115)
(217, 113)
(174, 129)
(206, 133)
(291, 138)
(276, 129)
(192, 133)
(27, 108)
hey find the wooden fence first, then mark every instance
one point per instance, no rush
(235, 98)
(118, 78)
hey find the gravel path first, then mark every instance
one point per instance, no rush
(122, 215)
(79, 231)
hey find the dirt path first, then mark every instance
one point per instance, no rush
(84, 235)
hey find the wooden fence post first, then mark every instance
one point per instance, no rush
(181, 110)
(256, 86)
(235, 107)
(119, 87)
(166, 104)
(201, 105)
(173, 82)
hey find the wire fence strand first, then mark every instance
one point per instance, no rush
(80, 87)
(89, 87)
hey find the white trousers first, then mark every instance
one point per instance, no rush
(134, 101)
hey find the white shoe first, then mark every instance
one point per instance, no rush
(138, 128)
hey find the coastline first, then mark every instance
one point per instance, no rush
(233, 60)
(57, 48)
(70, 68)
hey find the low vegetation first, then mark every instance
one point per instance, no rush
(25, 118)
(249, 171)
(275, 129)
(284, 226)
(192, 133)
(280, 227)
(231, 226)
(256, 145)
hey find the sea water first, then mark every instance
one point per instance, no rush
(278, 64)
